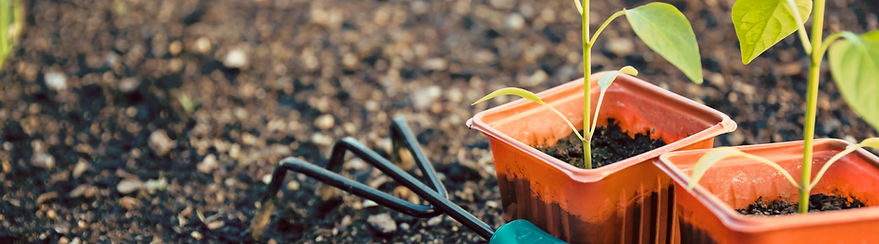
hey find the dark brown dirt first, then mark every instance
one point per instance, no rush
(610, 144)
(159, 122)
(817, 203)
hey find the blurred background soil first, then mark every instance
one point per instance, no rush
(159, 121)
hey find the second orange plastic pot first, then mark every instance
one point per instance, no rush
(625, 202)
(707, 213)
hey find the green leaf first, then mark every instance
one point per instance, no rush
(760, 24)
(721, 153)
(530, 96)
(666, 31)
(869, 142)
(608, 78)
(604, 82)
(854, 64)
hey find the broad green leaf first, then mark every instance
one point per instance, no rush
(530, 96)
(760, 24)
(666, 31)
(854, 64)
(721, 153)
(869, 142)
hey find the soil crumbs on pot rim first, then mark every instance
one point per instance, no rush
(817, 203)
(610, 144)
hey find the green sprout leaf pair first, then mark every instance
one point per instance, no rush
(666, 31)
(718, 154)
(760, 24)
(604, 82)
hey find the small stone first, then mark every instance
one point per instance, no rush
(267, 179)
(51, 214)
(76, 240)
(356, 164)
(434, 221)
(404, 226)
(324, 122)
(422, 99)
(382, 223)
(56, 80)
(175, 48)
(46, 197)
(402, 192)
(196, 235)
(407, 162)
(537, 78)
(63, 240)
(129, 185)
(80, 168)
(515, 21)
(202, 45)
(346, 221)
(293, 185)
(437, 64)
(216, 225)
(491, 204)
(236, 58)
(129, 202)
(160, 142)
(321, 139)
(272, 241)
(620, 46)
(129, 84)
(369, 203)
(43, 160)
(208, 164)
(735, 138)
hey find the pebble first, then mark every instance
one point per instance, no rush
(735, 138)
(293, 185)
(175, 48)
(236, 58)
(43, 160)
(382, 223)
(160, 142)
(56, 80)
(434, 221)
(620, 46)
(76, 240)
(51, 214)
(267, 179)
(216, 225)
(404, 226)
(369, 203)
(407, 162)
(46, 197)
(423, 98)
(202, 45)
(324, 122)
(208, 164)
(196, 235)
(129, 84)
(436, 64)
(128, 186)
(129, 202)
(80, 168)
(321, 139)
(515, 21)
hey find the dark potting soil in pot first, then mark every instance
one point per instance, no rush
(610, 144)
(817, 203)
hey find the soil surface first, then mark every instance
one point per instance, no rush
(610, 144)
(158, 121)
(817, 203)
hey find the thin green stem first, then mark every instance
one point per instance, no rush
(824, 46)
(801, 29)
(587, 51)
(604, 25)
(811, 106)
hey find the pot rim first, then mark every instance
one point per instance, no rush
(593, 175)
(746, 223)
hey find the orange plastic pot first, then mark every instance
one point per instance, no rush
(624, 202)
(707, 213)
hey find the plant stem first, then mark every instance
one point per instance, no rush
(587, 51)
(811, 106)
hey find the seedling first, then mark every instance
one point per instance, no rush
(854, 64)
(11, 25)
(661, 26)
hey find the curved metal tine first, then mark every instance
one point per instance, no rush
(400, 133)
(346, 184)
